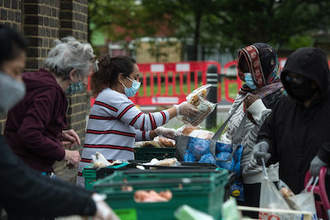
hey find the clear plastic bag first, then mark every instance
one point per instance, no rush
(305, 200)
(197, 132)
(271, 198)
(198, 99)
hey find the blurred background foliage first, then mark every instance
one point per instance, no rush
(224, 24)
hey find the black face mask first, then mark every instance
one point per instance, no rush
(302, 91)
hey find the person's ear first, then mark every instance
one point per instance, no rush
(73, 75)
(121, 78)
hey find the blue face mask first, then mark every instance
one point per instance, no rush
(132, 90)
(249, 81)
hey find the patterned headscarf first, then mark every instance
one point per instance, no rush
(263, 64)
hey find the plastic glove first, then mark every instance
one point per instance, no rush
(260, 150)
(316, 165)
(103, 211)
(186, 109)
(167, 132)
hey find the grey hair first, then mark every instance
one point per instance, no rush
(69, 54)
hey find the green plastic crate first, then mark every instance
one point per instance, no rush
(203, 191)
(91, 175)
(148, 153)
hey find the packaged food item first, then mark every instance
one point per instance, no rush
(187, 129)
(195, 131)
(147, 144)
(202, 134)
(159, 142)
(198, 99)
(168, 162)
(99, 161)
(199, 92)
(152, 196)
(166, 142)
(287, 194)
(284, 189)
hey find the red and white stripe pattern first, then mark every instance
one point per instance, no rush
(114, 125)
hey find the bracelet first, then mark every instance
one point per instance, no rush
(177, 110)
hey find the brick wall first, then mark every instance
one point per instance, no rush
(10, 14)
(42, 21)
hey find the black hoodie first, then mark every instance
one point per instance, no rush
(296, 134)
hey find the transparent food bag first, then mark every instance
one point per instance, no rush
(271, 198)
(198, 99)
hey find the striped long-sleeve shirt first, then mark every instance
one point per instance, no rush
(114, 125)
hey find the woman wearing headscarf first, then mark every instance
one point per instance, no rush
(258, 67)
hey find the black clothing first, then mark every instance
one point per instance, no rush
(296, 133)
(251, 198)
(28, 193)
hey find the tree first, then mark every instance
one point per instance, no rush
(272, 21)
(230, 23)
(189, 19)
(235, 23)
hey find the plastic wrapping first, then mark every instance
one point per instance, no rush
(197, 132)
(274, 199)
(186, 212)
(198, 99)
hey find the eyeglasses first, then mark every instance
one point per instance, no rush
(293, 79)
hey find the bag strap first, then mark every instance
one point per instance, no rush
(240, 130)
(217, 135)
(310, 183)
(236, 139)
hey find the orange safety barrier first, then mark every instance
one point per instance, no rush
(231, 81)
(169, 83)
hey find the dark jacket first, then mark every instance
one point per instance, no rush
(28, 193)
(34, 126)
(296, 134)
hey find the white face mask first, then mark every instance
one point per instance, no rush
(11, 92)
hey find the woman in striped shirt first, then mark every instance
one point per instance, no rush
(115, 123)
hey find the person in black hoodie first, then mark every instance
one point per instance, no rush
(22, 190)
(298, 129)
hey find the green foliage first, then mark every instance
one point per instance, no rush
(297, 41)
(230, 23)
(120, 20)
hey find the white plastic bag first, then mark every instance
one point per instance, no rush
(305, 200)
(272, 199)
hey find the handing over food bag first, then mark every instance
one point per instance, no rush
(198, 99)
